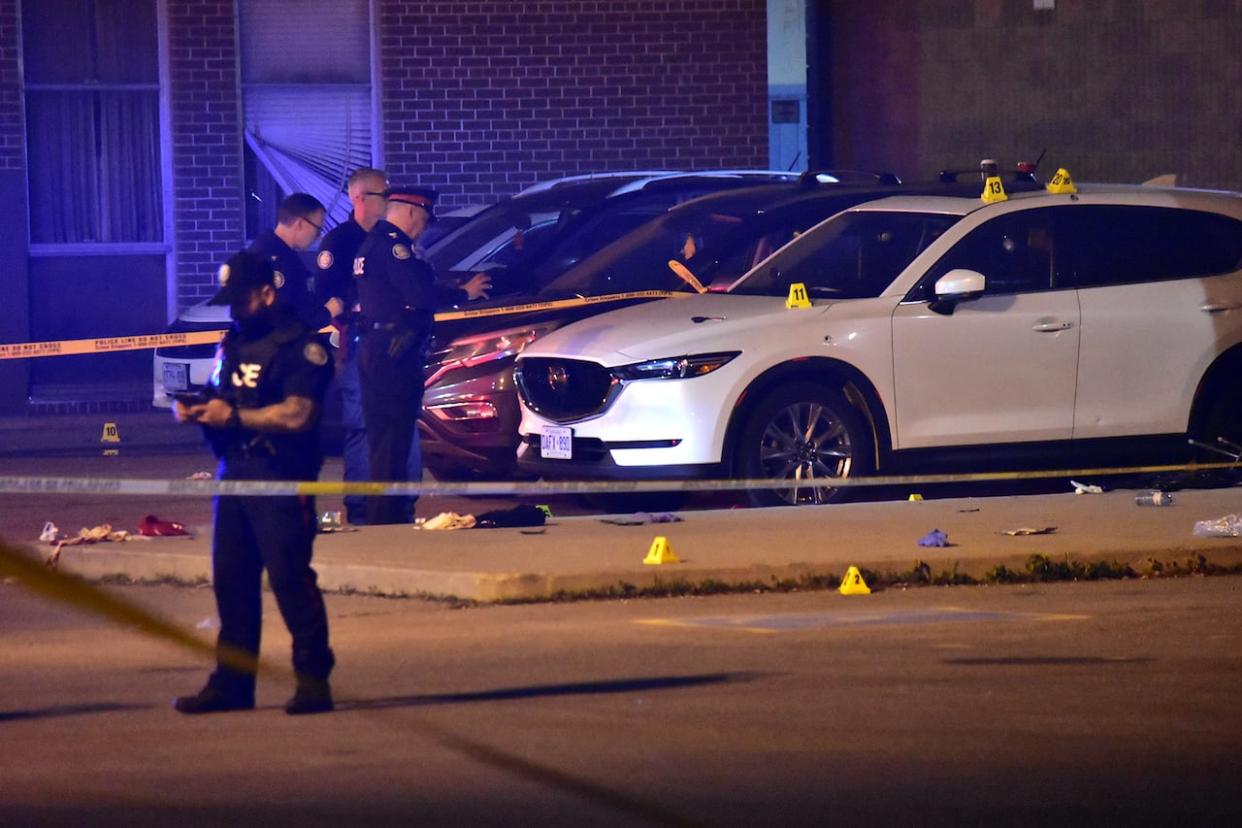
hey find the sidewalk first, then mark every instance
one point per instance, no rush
(579, 554)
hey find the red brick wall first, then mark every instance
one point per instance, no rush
(483, 98)
(206, 135)
(12, 153)
(1118, 90)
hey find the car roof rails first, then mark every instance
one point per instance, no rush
(553, 183)
(887, 179)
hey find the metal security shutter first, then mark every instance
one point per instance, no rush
(306, 94)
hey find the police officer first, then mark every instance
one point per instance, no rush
(398, 296)
(335, 278)
(299, 221)
(261, 417)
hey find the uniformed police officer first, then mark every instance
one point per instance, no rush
(335, 278)
(398, 296)
(261, 416)
(299, 221)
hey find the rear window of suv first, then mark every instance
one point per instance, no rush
(855, 255)
(1127, 245)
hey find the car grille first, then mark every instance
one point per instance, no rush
(564, 389)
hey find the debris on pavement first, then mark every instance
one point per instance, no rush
(1026, 530)
(643, 518)
(201, 475)
(98, 534)
(1085, 488)
(207, 624)
(1229, 526)
(50, 533)
(518, 516)
(152, 527)
(935, 538)
(445, 521)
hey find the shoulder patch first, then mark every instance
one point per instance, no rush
(315, 354)
(400, 251)
(324, 259)
(279, 279)
(223, 275)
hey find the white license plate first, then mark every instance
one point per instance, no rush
(556, 443)
(176, 376)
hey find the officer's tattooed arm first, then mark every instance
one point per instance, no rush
(291, 414)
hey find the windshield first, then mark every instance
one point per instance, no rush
(509, 232)
(715, 246)
(855, 255)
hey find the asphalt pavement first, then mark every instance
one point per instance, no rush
(584, 555)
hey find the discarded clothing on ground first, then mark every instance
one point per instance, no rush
(642, 518)
(152, 527)
(445, 521)
(1026, 530)
(935, 538)
(521, 515)
(102, 532)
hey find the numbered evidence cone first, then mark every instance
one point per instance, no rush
(1061, 183)
(660, 553)
(111, 434)
(797, 297)
(853, 583)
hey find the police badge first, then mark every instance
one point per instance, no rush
(324, 259)
(278, 279)
(400, 252)
(315, 354)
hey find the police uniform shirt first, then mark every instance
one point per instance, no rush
(294, 284)
(335, 262)
(286, 361)
(392, 280)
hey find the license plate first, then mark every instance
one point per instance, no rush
(556, 443)
(176, 376)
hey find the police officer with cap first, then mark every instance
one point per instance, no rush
(261, 416)
(299, 221)
(398, 295)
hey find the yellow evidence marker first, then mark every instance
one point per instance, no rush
(111, 434)
(1061, 183)
(853, 583)
(798, 297)
(660, 553)
(993, 190)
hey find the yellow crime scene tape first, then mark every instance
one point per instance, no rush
(285, 488)
(72, 347)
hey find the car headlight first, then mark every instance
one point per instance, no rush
(469, 351)
(682, 367)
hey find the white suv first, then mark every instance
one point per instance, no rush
(938, 329)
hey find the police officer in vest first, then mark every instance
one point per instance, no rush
(398, 296)
(261, 417)
(299, 221)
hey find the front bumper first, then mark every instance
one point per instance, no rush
(593, 460)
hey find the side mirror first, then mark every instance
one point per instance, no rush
(957, 286)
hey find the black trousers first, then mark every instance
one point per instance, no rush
(277, 534)
(391, 377)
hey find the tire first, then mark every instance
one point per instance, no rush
(1221, 425)
(773, 444)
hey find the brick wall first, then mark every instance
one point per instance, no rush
(1115, 89)
(206, 135)
(11, 140)
(483, 98)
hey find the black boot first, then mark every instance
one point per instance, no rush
(312, 696)
(212, 699)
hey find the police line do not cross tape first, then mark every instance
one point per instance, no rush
(73, 347)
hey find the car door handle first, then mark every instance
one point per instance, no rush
(1219, 307)
(1051, 326)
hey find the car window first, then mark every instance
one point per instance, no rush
(1118, 245)
(853, 256)
(1016, 253)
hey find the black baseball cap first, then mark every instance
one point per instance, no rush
(241, 274)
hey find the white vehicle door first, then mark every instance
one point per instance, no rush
(1161, 296)
(1001, 367)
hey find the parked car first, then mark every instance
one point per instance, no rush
(470, 408)
(939, 331)
(532, 236)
